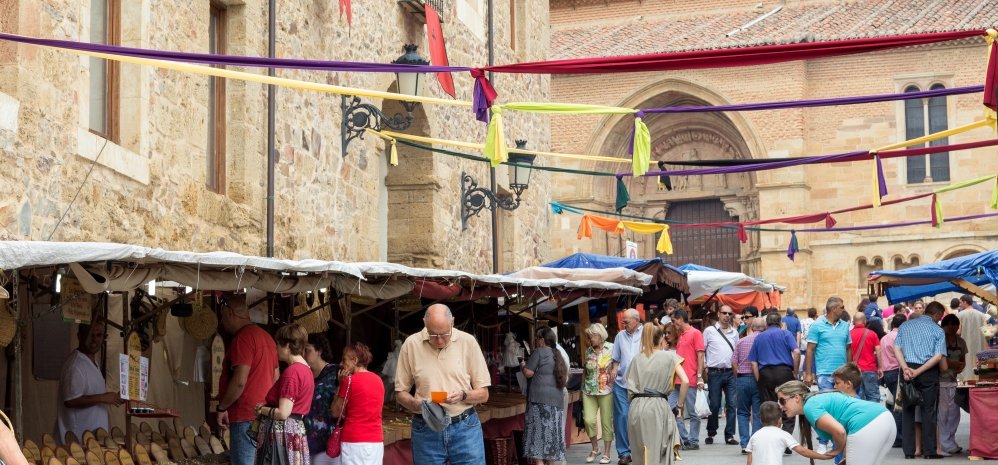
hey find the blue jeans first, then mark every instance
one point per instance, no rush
(459, 443)
(718, 383)
(242, 450)
(621, 405)
(825, 383)
(691, 435)
(748, 408)
(870, 390)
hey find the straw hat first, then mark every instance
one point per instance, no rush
(315, 322)
(202, 324)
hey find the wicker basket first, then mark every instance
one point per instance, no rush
(203, 323)
(8, 325)
(500, 451)
(315, 322)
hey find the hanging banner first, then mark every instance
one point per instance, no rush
(631, 249)
(438, 49)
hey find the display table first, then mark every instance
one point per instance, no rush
(983, 422)
(500, 416)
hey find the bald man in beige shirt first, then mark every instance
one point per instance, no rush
(441, 358)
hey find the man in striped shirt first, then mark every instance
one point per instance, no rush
(919, 347)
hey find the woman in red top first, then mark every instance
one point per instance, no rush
(360, 400)
(281, 438)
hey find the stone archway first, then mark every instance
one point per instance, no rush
(686, 136)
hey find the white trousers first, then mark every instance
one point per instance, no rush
(368, 453)
(870, 445)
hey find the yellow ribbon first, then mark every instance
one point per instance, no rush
(876, 182)
(495, 140)
(264, 79)
(641, 156)
(393, 153)
(664, 244)
(933, 136)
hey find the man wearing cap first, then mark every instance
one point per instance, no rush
(441, 358)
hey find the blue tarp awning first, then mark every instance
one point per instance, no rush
(935, 278)
(588, 260)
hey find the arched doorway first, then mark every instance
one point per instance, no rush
(693, 199)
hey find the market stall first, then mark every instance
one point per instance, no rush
(975, 274)
(137, 289)
(737, 290)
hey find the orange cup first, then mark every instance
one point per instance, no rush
(438, 396)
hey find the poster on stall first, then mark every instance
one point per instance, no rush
(133, 377)
(77, 304)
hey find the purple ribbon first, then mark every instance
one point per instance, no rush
(236, 60)
(793, 248)
(747, 168)
(881, 182)
(821, 102)
(898, 225)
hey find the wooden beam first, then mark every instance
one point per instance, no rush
(975, 289)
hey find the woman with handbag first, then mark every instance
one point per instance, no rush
(543, 437)
(863, 429)
(597, 391)
(319, 421)
(281, 436)
(358, 439)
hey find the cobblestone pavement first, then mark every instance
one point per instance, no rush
(722, 454)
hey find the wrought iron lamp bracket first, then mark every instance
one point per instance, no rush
(474, 199)
(359, 116)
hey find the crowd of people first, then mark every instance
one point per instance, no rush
(762, 370)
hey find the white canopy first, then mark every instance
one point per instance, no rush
(705, 283)
(116, 267)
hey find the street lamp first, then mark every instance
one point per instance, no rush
(358, 116)
(474, 198)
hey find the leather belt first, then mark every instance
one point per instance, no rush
(455, 419)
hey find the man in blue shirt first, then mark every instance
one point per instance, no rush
(919, 347)
(792, 324)
(626, 345)
(775, 358)
(828, 347)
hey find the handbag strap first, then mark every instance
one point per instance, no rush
(859, 350)
(724, 337)
(346, 395)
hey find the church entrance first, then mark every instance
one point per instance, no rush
(714, 247)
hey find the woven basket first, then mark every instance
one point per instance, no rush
(315, 322)
(8, 325)
(202, 324)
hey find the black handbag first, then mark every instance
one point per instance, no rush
(910, 395)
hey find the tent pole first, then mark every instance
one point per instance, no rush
(18, 360)
(975, 289)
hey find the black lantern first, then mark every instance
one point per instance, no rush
(474, 198)
(358, 116)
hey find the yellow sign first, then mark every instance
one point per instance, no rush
(77, 304)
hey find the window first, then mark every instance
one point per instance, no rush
(216, 104)
(919, 115)
(104, 74)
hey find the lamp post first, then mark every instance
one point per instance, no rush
(359, 116)
(474, 198)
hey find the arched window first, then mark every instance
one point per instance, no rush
(921, 117)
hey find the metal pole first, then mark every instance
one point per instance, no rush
(271, 127)
(492, 170)
(19, 310)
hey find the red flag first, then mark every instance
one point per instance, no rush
(345, 8)
(438, 50)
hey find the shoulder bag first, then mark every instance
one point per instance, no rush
(335, 441)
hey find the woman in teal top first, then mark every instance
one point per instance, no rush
(865, 430)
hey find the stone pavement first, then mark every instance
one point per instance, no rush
(725, 454)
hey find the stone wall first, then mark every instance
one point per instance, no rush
(149, 186)
(829, 263)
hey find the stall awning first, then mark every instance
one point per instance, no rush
(662, 273)
(705, 282)
(119, 267)
(965, 274)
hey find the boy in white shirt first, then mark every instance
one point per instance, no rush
(768, 445)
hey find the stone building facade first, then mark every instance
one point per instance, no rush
(137, 167)
(153, 181)
(829, 263)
